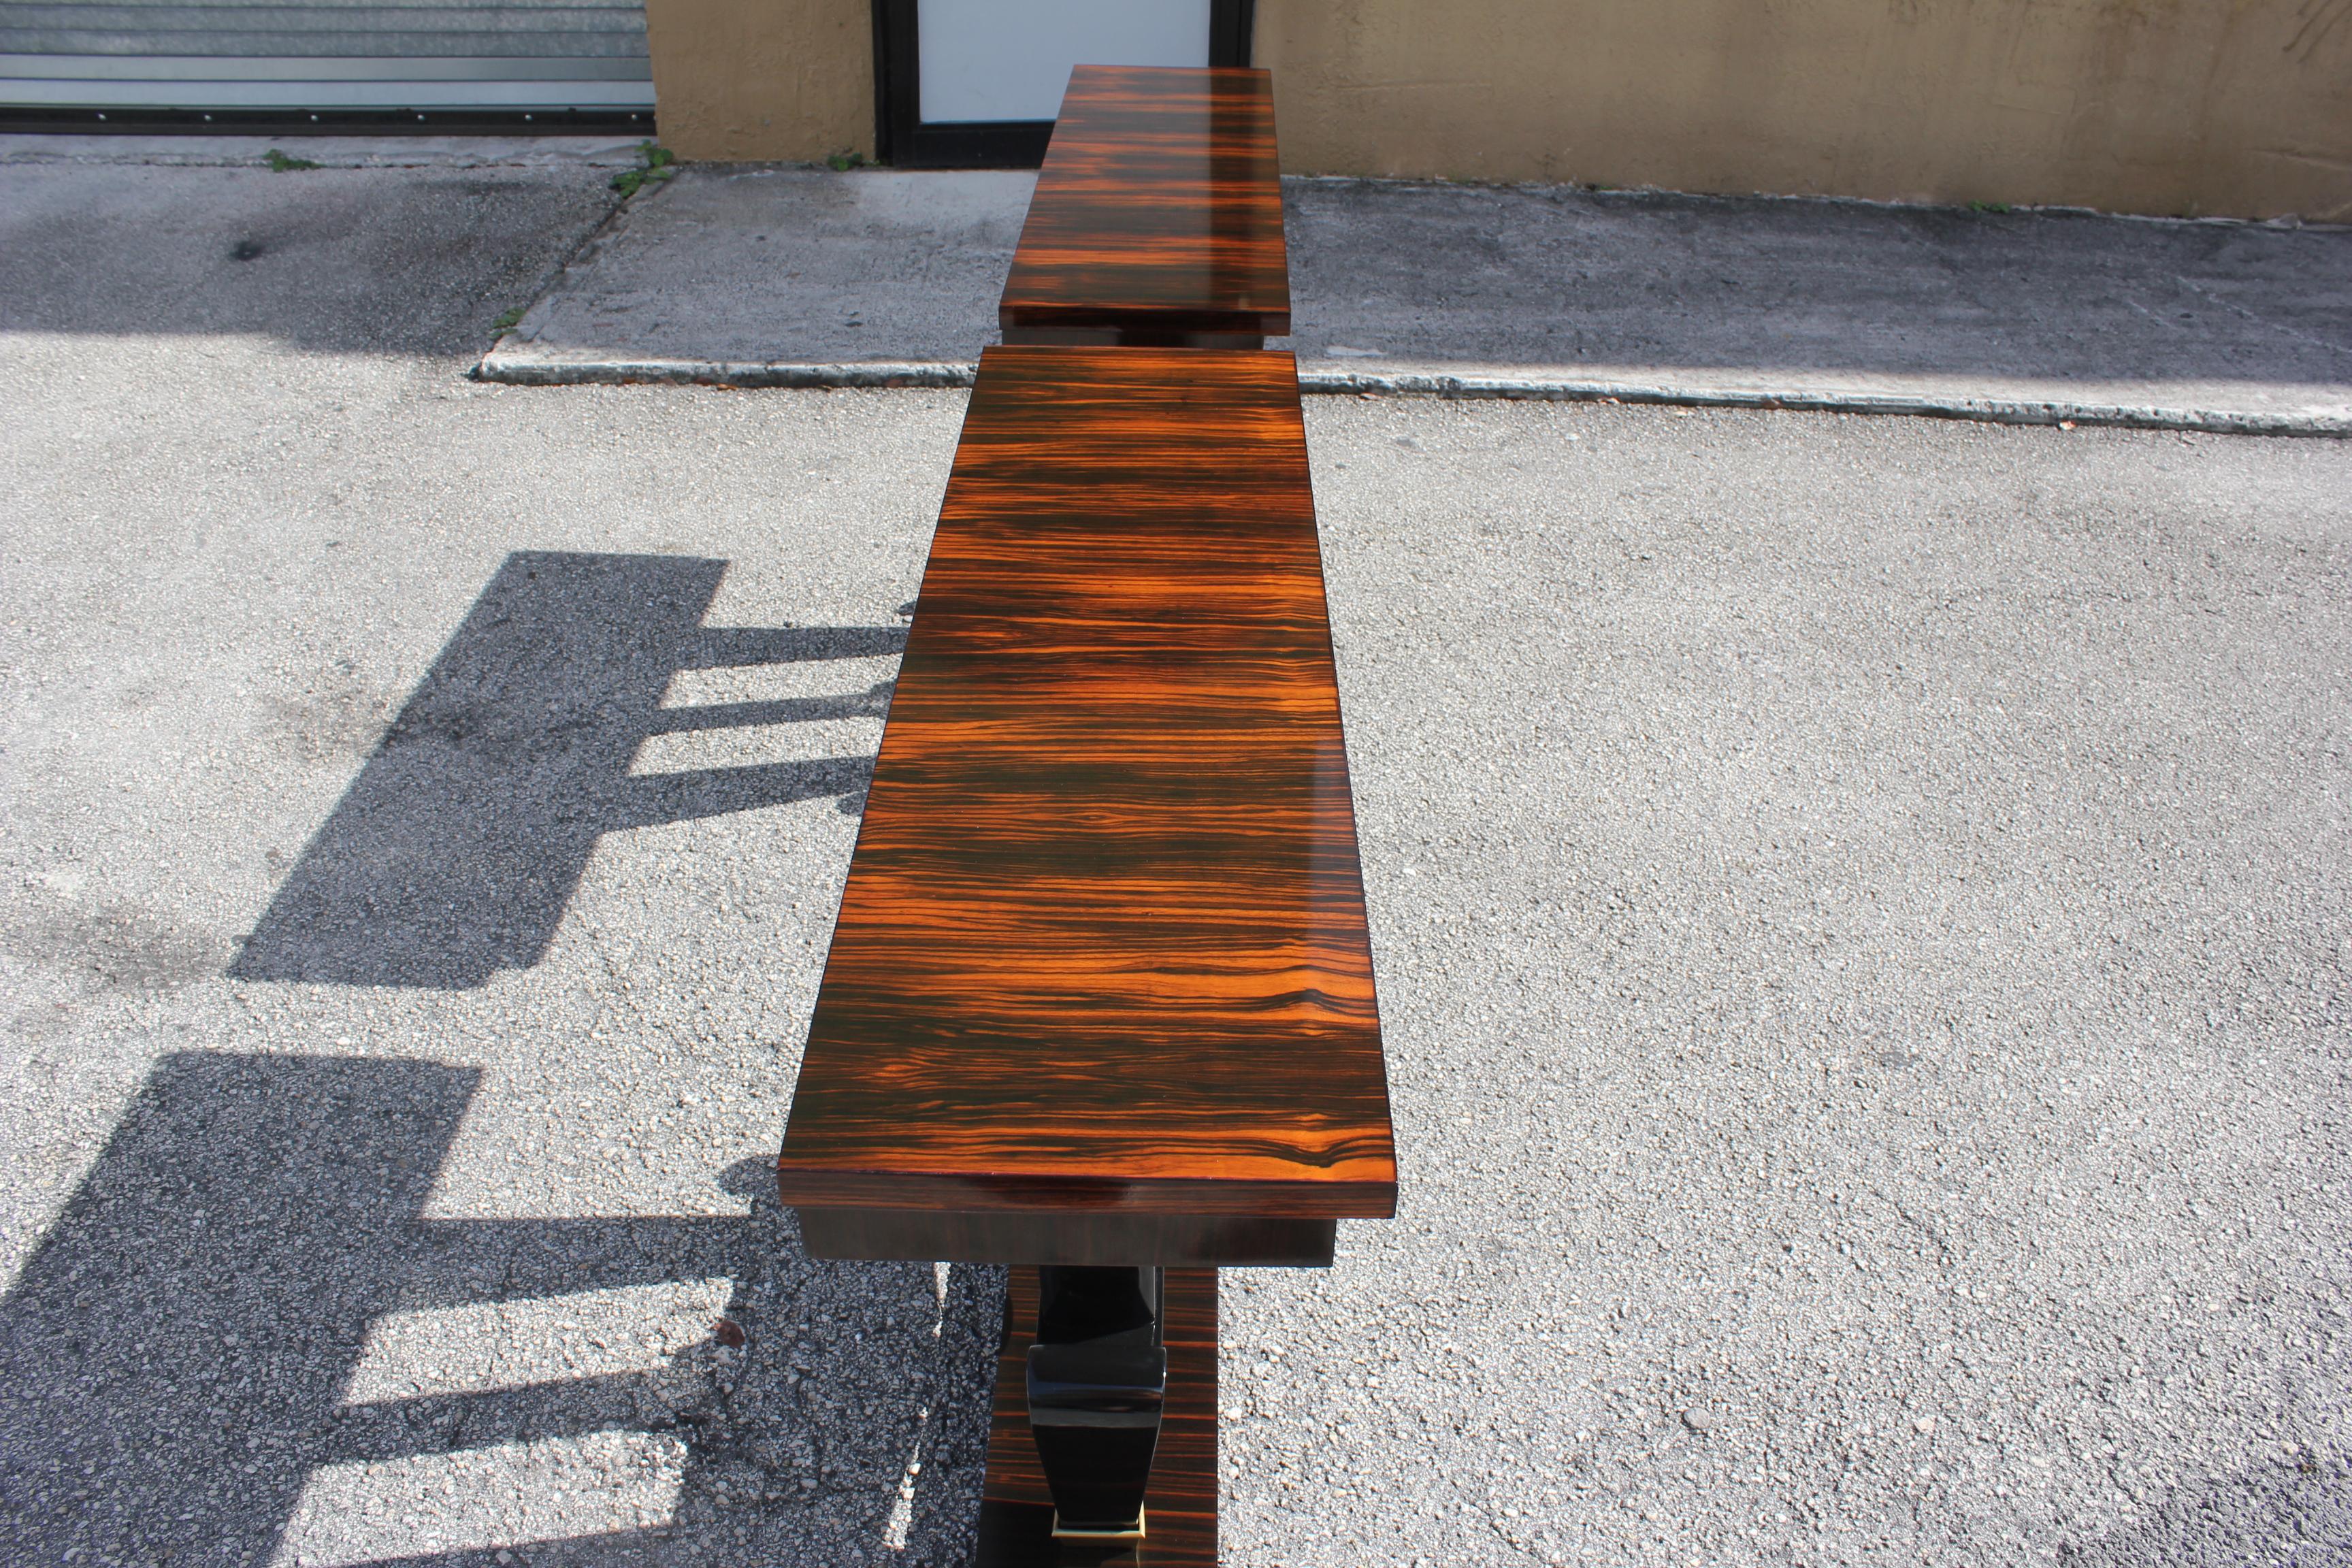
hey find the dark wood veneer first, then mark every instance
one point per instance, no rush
(1158, 215)
(1102, 947)
(1063, 1235)
(1016, 1511)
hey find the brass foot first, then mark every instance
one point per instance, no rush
(1115, 1533)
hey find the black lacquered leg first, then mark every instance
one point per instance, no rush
(1098, 1384)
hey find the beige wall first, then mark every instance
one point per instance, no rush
(760, 79)
(2240, 107)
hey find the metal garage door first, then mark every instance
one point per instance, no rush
(426, 62)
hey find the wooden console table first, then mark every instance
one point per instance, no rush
(1158, 216)
(1100, 992)
(1100, 1003)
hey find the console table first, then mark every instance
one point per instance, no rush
(1158, 216)
(1099, 1002)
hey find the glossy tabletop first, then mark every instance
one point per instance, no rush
(1159, 209)
(1102, 946)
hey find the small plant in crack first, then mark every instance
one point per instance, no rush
(1987, 207)
(279, 164)
(842, 162)
(507, 319)
(659, 164)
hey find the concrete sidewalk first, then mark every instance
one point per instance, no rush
(794, 276)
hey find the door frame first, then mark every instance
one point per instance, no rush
(900, 136)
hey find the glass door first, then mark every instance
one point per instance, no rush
(976, 83)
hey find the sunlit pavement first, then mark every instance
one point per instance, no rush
(1861, 908)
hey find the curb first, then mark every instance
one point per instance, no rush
(515, 370)
(1983, 410)
(519, 370)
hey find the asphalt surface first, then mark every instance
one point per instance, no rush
(1861, 908)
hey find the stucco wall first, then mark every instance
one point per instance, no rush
(2240, 107)
(760, 79)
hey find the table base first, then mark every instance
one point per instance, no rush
(1016, 1513)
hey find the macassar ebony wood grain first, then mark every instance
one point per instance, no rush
(1102, 947)
(1158, 215)
(1017, 1511)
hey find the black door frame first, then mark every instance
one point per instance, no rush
(902, 138)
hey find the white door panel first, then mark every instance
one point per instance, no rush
(1009, 59)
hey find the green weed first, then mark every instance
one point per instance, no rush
(506, 322)
(659, 165)
(842, 162)
(1987, 207)
(279, 164)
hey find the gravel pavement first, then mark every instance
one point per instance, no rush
(1863, 906)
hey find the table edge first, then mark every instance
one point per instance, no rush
(1344, 1198)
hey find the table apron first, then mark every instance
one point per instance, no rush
(1162, 1240)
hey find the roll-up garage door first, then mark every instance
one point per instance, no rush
(425, 65)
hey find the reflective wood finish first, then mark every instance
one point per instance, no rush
(1102, 947)
(1017, 1511)
(1158, 216)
